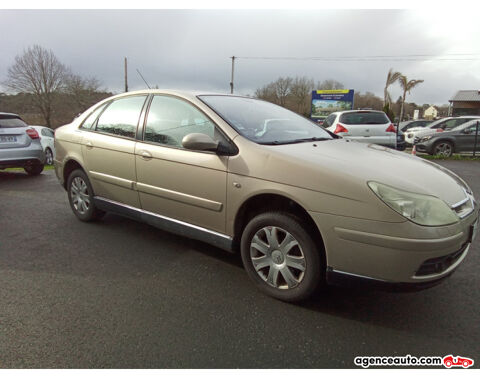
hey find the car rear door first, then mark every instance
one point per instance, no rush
(108, 148)
(175, 182)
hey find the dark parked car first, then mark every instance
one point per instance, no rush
(459, 139)
(401, 144)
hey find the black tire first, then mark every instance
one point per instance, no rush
(90, 212)
(34, 170)
(48, 156)
(443, 148)
(314, 273)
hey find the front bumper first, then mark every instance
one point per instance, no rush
(392, 253)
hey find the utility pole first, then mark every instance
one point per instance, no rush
(126, 77)
(233, 68)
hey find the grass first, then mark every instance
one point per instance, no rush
(453, 157)
(45, 168)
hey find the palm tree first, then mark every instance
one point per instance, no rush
(392, 77)
(407, 86)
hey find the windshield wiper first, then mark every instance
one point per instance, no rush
(300, 140)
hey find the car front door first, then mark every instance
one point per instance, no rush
(466, 139)
(108, 148)
(174, 182)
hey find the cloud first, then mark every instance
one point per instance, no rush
(191, 48)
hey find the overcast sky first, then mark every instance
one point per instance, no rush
(191, 48)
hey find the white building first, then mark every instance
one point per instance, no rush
(430, 113)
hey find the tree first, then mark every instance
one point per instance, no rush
(407, 86)
(330, 84)
(282, 89)
(392, 77)
(38, 72)
(300, 92)
(81, 90)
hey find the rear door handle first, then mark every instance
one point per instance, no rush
(145, 155)
(89, 144)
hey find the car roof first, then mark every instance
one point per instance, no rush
(9, 114)
(190, 94)
(360, 110)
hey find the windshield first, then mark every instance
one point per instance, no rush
(364, 118)
(263, 122)
(10, 121)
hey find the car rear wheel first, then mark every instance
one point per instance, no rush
(80, 196)
(34, 170)
(48, 156)
(444, 149)
(281, 256)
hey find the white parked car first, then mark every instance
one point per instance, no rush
(47, 141)
(444, 124)
(369, 126)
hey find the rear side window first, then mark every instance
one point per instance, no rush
(47, 133)
(329, 121)
(121, 117)
(9, 121)
(90, 121)
(364, 118)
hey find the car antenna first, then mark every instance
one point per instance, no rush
(143, 79)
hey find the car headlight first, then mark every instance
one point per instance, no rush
(424, 139)
(419, 208)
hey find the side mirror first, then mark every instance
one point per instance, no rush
(199, 142)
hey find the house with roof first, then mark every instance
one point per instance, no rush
(430, 113)
(465, 102)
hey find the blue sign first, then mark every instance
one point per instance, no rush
(328, 101)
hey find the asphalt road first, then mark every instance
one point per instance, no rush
(121, 294)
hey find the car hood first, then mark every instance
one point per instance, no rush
(343, 168)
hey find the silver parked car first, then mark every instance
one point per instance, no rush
(20, 145)
(369, 126)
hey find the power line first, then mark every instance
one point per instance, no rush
(408, 57)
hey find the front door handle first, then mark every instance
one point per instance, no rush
(89, 145)
(145, 155)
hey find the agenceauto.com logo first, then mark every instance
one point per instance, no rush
(408, 360)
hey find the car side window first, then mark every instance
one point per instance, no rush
(170, 119)
(450, 124)
(329, 121)
(90, 120)
(121, 116)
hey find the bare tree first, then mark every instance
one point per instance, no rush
(300, 93)
(392, 77)
(282, 89)
(330, 84)
(81, 89)
(407, 86)
(38, 72)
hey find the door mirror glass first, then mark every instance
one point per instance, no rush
(199, 142)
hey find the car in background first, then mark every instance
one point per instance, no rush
(401, 144)
(460, 139)
(47, 139)
(20, 145)
(441, 125)
(407, 125)
(368, 126)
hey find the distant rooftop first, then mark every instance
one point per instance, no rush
(473, 95)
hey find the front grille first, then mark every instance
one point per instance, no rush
(440, 264)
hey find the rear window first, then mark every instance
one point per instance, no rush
(364, 118)
(9, 121)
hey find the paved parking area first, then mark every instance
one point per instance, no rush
(120, 294)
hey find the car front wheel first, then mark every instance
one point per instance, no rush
(80, 196)
(281, 256)
(444, 149)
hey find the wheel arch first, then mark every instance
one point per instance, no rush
(264, 202)
(69, 166)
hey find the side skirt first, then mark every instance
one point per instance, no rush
(167, 224)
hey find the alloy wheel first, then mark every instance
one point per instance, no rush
(79, 195)
(48, 157)
(277, 257)
(443, 149)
